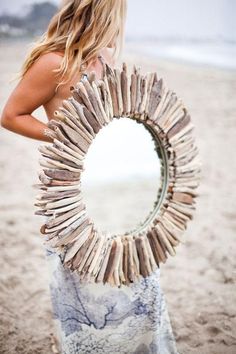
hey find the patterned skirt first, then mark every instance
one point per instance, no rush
(99, 318)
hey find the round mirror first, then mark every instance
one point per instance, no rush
(123, 176)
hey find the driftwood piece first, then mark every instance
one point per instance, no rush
(133, 90)
(119, 94)
(71, 252)
(111, 262)
(142, 261)
(114, 95)
(101, 273)
(138, 91)
(125, 261)
(125, 90)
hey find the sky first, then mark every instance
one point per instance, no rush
(195, 19)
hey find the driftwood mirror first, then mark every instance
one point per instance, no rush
(97, 255)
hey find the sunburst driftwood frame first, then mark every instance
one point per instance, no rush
(100, 256)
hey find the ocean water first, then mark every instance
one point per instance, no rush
(201, 32)
(218, 54)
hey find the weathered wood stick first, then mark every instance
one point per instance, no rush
(174, 107)
(96, 255)
(168, 235)
(54, 158)
(154, 251)
(179, 223)
(73, 226)
(76, 96)
(166, 93)
(100, 276)
(53, 221)
(182, 123)
(119, 94)
(109, 101)
(131, 274)
(63, 202)
(150, 254)
(182, 197)
(115, 264)
(110, 264)
(65, 223)
(57, 195)
(49, 163)
(76, 138)
(144, 87)
(125, 89)
(91, 118)
(125, 261)
(165, 240)
(133, 90)
(155, 97)
(68, 150)
(170, 104)
(58, 154)
(102, 113)
(79, 256)
(182, 209)
(50, 133)
(136, 260)
(60, 210)
(84, 273)
(143, 265)
(180, 215)
(121, 273)
(84, 96)
(178, 111)
(150, 80)
(187, 130)
(101, 256)
(81, 232)
(146, 255)
(71, 252)
(62, 188)
(74, 123)
(106, 102)
(138, 91)
(82, 121)
(160, 251)
(113, 93)
(86, 256)
(63, 137)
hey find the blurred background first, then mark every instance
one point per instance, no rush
(192, 45)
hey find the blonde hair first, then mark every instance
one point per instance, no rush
(80, 29)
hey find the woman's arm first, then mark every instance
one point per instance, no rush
(34, 89)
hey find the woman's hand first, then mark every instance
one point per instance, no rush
(35, 89)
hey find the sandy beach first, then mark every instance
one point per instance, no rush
(199, 283)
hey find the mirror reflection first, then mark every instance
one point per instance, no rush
(122, 176)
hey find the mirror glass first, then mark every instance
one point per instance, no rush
(122, 176)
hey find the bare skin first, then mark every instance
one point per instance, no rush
(38, 88)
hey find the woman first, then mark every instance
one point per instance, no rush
(90, 318)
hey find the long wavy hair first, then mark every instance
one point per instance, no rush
(80, 29)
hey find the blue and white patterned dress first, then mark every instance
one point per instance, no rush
(99, 318)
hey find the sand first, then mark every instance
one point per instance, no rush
(199, 283)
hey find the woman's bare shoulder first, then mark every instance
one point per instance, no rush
(48, 61)
(42, 70)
